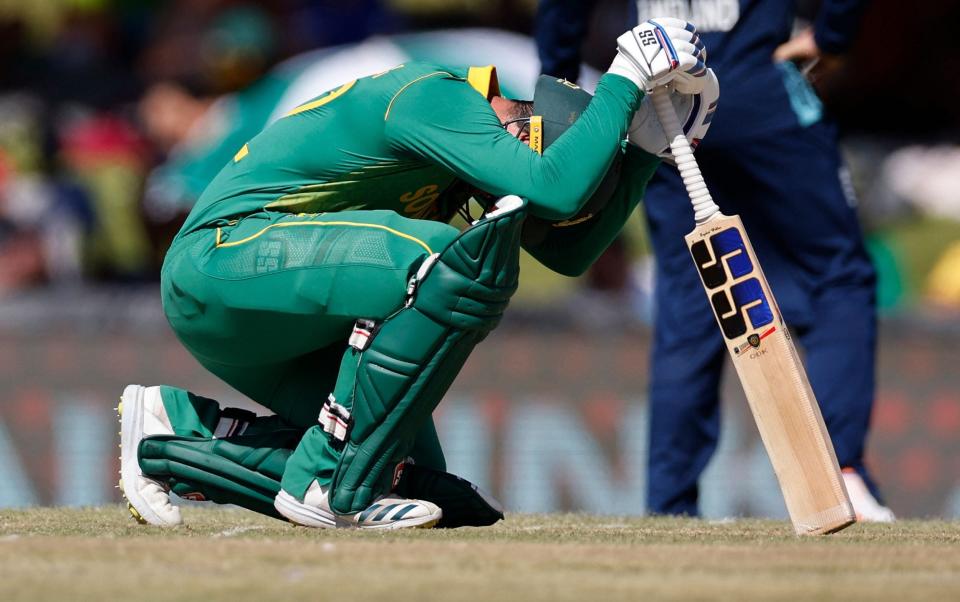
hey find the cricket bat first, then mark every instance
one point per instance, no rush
(775, 382)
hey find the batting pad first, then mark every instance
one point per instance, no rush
(414, 355)
(243, 470)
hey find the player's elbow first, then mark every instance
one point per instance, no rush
(560, 262)
(573, 269)
(558, 207)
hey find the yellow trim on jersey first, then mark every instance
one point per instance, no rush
(313, 104)
(484, 80)
(243, 152)
(221, 245)
(407, 85)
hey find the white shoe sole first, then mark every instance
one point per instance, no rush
(301, 514)
(130, 411)
(310, 516)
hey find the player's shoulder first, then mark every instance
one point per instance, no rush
(481, 79)
(420, 68)
(428, 86)
(410, 71)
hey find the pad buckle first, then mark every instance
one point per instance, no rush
(335, 420)
(233, 423)
(362, 334)
(504, 205)
(417, 278)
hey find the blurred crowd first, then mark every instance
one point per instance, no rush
(95, 94)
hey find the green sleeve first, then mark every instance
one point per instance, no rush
(443, 120)
(573, 249)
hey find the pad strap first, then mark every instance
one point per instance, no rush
(336, 421)
(233, 422)
(363, 331)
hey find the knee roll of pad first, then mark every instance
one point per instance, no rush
(469, 284)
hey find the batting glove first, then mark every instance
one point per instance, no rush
(661, 51)
(695, 112)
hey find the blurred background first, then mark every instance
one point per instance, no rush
(115, 114)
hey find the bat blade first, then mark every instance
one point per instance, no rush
(773, 378)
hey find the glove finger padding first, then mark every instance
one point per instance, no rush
(686, 48)
(656, 52)
(674, 23)
(688, 79)
(695, 112)
(689, 84)
(679, 36)
(682, 32)
(701, 117)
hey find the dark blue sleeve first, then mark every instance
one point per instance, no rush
(560, 31)
(837, 24)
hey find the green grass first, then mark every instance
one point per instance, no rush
(100, 554)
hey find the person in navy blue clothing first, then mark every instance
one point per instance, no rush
(772, 158)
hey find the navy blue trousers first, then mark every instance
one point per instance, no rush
(788, 192)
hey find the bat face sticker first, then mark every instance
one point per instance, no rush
(735, 293)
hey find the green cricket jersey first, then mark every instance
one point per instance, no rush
(400, 139)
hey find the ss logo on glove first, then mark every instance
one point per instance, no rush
(647, 37)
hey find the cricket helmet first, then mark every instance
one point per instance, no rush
(557, 104)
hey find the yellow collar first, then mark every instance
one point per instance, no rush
(484, 80)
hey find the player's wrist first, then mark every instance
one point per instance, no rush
(620, 87)
(625, 68)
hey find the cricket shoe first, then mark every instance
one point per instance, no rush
(142, 415)
(386, 512)
(868, 509)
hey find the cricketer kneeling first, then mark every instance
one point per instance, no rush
(317, 275)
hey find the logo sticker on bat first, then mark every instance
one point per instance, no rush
(738, 298)
(753, 341)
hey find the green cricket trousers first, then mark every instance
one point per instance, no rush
(267, 303)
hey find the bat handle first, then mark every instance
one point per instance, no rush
(703, 206)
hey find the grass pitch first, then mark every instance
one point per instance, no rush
(100, 554)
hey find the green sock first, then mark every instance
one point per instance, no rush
(315, 459)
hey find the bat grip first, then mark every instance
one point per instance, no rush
(703, 206)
